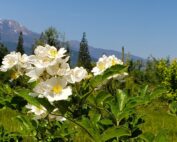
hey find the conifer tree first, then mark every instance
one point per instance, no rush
(20, 44)
(84, 58)
(51, 36)
(3, 51)
(123, 54)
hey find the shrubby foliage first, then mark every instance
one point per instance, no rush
(54, 102)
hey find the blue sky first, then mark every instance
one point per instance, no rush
(143, 27)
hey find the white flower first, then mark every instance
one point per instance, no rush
(47, 62)
(40, 112)
(16, 62)
(10, 61)
(35, 73)
(40, 89)
(104, 63)
(76, 74)
(48, 55)
(56, 89)
(61, 68)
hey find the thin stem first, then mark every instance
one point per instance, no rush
(76, 124)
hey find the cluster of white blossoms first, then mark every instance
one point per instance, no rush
(48, 66)
(50, 69)
(16, 62)
(104, 63)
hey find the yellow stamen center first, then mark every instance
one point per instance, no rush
(14, 75)
(113, 62)
(53, 53)
(101, 66)
(57, 89)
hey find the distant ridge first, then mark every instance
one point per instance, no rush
(9, 31)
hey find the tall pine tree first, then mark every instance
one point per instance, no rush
(20, 44)
(84, 58)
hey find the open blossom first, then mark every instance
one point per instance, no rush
(61, 68)
(40, 112)
(77, 74)
(48, 61)
(16, 62)
(47, 55)
(10, 61)
(54, 89)
(34, 74)
(104, 63)
(14, 59)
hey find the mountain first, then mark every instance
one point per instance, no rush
(97, 52)
(9, 32)
(10, 29)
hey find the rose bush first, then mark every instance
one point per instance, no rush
(67, 103)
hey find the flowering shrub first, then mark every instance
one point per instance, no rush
(67, 103)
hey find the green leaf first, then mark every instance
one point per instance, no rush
(101, 97)
(157, 92)
(144, 90)
(62, 105)
(26, 124)
(90, 129)
(44, 102)
(100, 79)
(106, 122)
(96, 118)
(114, 132)
(121, 99)
(118, 103)
(148, 137)
(135, 101)
(24, 93)
(173, 108)
(114, 70)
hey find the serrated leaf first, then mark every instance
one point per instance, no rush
(114, 132)
(24, 93)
